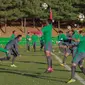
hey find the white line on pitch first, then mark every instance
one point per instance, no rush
(68, 68)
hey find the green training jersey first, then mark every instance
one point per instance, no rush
(12, 36)
(28, 37)
(81, 45)
(75, 35)
(47, 33)
(3, 50)
(34, 38)
(61, 37)
(80, 36)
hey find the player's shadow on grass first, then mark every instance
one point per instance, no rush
(31, 55)
(57, 70)
(35, 62)
(4, 65)
(33, 75)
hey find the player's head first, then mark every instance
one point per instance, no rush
(19, 37)
(49, 21)
(83, 32)
(28, 32)
(34, 33)
(14, 32)
(71, 32)
(60, 31)
(46, 22)
(80, 31)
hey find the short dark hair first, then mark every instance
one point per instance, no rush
(28, 32)
(13, 31)
(18, 36)
(49, 21)
(60, 31)
(80, 31)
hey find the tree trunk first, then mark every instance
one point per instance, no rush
(24, 25)
(5, 25)
(34, 22)
(59, 24)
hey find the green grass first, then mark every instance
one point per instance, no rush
(30, 70)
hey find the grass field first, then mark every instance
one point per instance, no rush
(30, 70)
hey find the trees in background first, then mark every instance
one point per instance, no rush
(63, 10)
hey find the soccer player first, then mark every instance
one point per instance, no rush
(28, 39)
(74, 44)
(11, 48)
(34, 40)
(60, 39)
(47, 33)
(64, 43)
(80, 55)
(13, 35)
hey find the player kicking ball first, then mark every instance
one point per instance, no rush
(11, 48)
(77, 60)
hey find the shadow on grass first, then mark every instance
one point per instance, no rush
(61, 70)
(57, 70)
(33, 75)
(4, 65)
(35, 62)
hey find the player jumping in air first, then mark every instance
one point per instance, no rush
(47, 33)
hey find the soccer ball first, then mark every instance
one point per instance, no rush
(44, 5)
(29, 39)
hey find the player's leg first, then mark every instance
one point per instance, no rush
(73, 69)
(34, 46)
(41, 47)
(66, 54)
(74, 51)
(75, 61)
(48, 49)
(27, 46)
(7, 54)
(80, 64)
(3, 50)
(13, 59)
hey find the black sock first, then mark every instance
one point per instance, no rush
(64, 59)
(73, 69)
(49, 61)
(29, 48)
